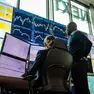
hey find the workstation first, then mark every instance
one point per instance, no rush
(23, 30)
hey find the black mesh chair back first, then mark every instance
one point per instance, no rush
(56, 68)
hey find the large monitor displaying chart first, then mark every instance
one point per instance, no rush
(33, 51)
(11, 67)
(15, 47)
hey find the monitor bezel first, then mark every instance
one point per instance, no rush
(90, 74)
(13, 56)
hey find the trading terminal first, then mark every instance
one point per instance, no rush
(23, 28)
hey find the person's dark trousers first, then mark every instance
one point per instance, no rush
(79, 75)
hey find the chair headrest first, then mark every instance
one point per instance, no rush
(58, 43)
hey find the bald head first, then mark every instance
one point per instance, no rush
(71, 27)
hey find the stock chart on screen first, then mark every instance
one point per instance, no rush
(34, 28)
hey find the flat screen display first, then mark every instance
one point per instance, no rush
(91, 84)
(92, 53)
(11, 67)
(92, 64)
(92, 57)
(33, 51)
(91, 38)
(1, 42)
(15, 47)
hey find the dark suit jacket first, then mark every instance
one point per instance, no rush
(39, 61)
(78, 45)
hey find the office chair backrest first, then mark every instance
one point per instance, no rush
(59, 54)
(57, 78)
(56, 67)
(59, 44)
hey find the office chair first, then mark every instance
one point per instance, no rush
(56, 69)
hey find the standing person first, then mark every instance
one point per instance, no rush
(79, 47)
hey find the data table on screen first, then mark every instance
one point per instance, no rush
(11, 67)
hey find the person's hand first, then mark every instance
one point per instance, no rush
(25, 74)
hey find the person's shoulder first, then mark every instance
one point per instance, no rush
(45, 50)
(77, 33)
(81, 34)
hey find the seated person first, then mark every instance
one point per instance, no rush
(40, 58)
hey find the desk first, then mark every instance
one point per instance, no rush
(13, 82)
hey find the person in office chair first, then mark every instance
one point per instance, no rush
(39, 61)
(79, 47)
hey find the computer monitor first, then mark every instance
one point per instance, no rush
(92, 57)
(92, 61)
(1, 41)
(11, 66)
(92, 53)
(33, 51)
(91, 83)
(15, 47)
(91, 38)
(90, 67)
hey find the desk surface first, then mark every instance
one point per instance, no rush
(13, 82)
